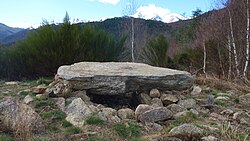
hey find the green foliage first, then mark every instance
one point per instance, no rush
(5, 137)
(127, 130)
(221, 102)
(52, 127)
(50, 46)
(65, 123)
(94, 120)
(155, 52)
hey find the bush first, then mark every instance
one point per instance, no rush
(65, 123)
(50, 46)
(38, 103)
(127, 130)
(5, 137)
(94, 119)
(55, 114)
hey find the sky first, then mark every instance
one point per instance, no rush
(31, 13)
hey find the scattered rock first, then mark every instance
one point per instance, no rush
(27, 99)
(227, 112)
(156, 114)
(187, 103)
(114, 78)
(144, 98)
(77, 111)
(155, 127)
(242, 117)
(156, 102)
(11, 83)
(186, 132)
(109, 115)
(222, 98)
(82, 94)
(126, 113)
(176, 108)
(217, 117)
(94, 109)
(196, 90)
(154, 93)
(15, 116)
(245, 99)
(168, 99)
(141, 109)
(171, 139)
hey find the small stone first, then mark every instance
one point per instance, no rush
(156, 102)
(28, 99)
(186, 131)
(176, 108)
(154, 93)
(242, 117)
(209, 138)
(141, 109)
(171, 139)
(217, 117)
(168, 99)
(42, 96)
(180, 114)
(126, 113)
(11, 83)
(94, 109)
(196, 90)
(187, 103)
(195, 112)
(245, 99)
(222, 98)
(109, 111)
(82, 94)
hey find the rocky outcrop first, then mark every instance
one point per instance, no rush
(16, 116)
(114, 78)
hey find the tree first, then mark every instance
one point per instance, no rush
(155, 52)
(130, 9)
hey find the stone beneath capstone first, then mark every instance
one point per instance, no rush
(116, 78)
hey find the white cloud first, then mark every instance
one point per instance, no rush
(157, 13)
(114, 2)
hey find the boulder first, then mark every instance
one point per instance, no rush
(245, 99)
(186, 132)
(126, 113)
(144, 98)
(176, 108)
(187, 103)
(114, 78)
(15, 116)
(141, 109)
(156, 114)
(154, 93)
(77, 111)
(168, 99)
(60, 103)
(156, 102)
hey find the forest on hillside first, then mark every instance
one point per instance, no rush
(214, 43)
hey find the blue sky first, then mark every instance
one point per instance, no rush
(27, 13)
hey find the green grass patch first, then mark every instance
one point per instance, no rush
(66, 124)
(237, 100)
(221, 103)
(127, 130)
(55, 114)
(43, 80)
(94, 120)
(5, 137)
(73, 130)
(53, 127)
(38, 103)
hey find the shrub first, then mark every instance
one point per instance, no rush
(5, 137)
(94, 119)
(55, 114)
(38, 103)
(127, 130)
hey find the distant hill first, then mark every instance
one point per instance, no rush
(144, 30)
(6, 31)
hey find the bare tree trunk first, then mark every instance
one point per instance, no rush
(132, 39)
(221, 65)
(247, 43)
(229, 58)
(233, 43)
(204, 58)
